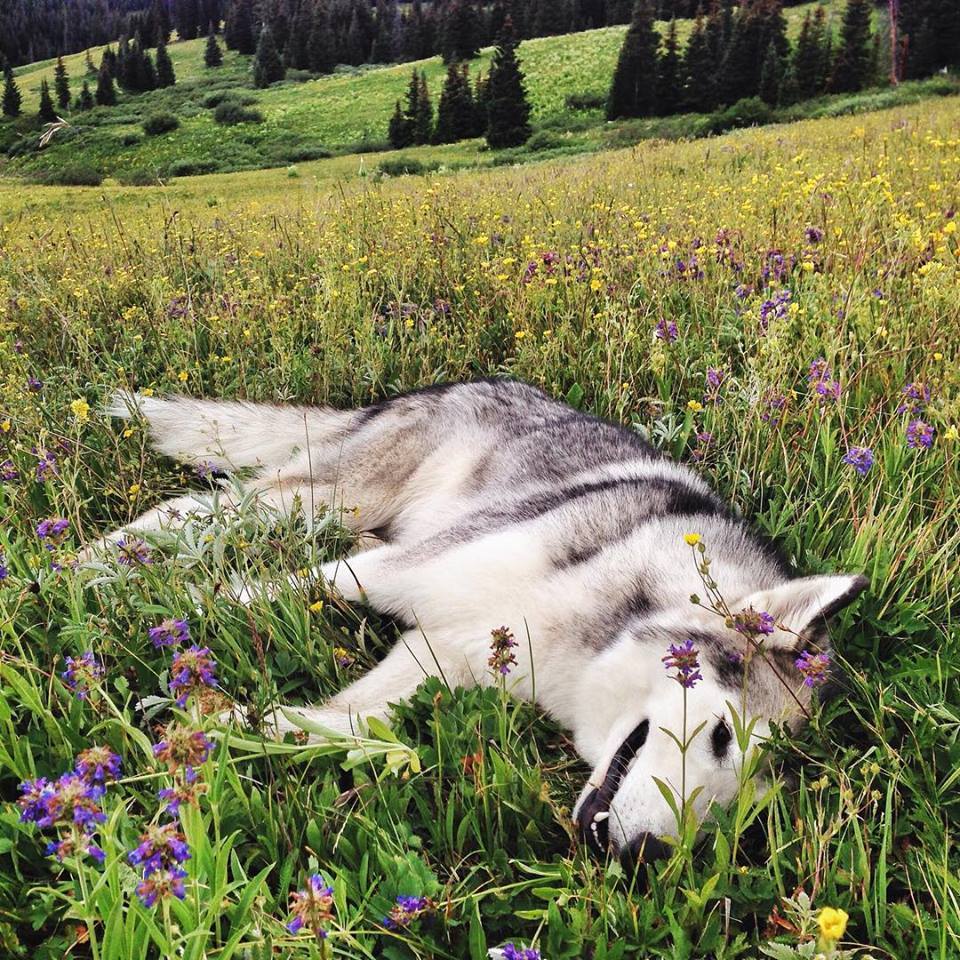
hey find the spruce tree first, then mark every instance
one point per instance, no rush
(852, 67)
(267, 65)
(743, 57)
(400, 132)
(807, 60)
(296, 54)
(106, 94)
(89, 65)
(212, 55)
(165, 73)
(61, 84)
(460, 32)
(321, 58)
(456, 113)
(47, 111)
(12, 98)
(699, 71)
(240, 33)
(85, 101)
(770, 76)
(385, 41)
(633, 92)
(423, 116)
(669, 83)
(508, 111)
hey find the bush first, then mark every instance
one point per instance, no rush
(231, 112)
(191, 167)
(73, 175)
(130, 139)
(158, 123)
(300, 76)
(543, 140)
(141, 177)
(750, 112)
(403, 166)
(216, 97)
(586, 101)
(299, 153)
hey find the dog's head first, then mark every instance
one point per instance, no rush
(637, 713)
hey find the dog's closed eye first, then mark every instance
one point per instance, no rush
(720, 740)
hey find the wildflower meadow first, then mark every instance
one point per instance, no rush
(778, 306)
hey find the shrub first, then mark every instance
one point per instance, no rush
(158, 123)
(402, 166)
(191, 167)
(130, 139)
(216, 97)
(543, 140)
(298, 153)
(750, 112)
(72, 175)
(141, 177)
(586, 101)
(231, 112)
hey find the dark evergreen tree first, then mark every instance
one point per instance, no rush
(460, 32)
(89, 65)
(743, 57)
(296, 54)
(669, 82)
(61, 84)
(851, 69)
(400, 131)
(267, 65)
(12, 98)
(166, 76)
(386, 40)
(633, 92)
(240, 33)
(770, 76)
(47, 111)
(423, 115)
(321, 56)
(212, 55)
(456, 112)
(124, 70)
(699, 71)
(929, 33)
(808, 57)
(85, 101)
(508, 111)
(187, 19)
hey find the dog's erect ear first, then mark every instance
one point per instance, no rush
(803, 606)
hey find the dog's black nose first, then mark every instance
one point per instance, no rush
(644, 848)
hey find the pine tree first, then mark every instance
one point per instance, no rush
(296, 54)
(456, 113)
(423, 116)
(165, 73)
(770, 76)
(61, 84)
(460, 32)
(743, 57)
(90, 66)
(106, 94)
(508, 111)
(669, 84)
(85, 101)
(633, 92)
(321, 58)
(240, 32)
(699, 71)
(807, 60)
(400, 132)
(267, 65)
(12, 98)
(852, 67)
(212, 55)
(385, 41)
(47, 111)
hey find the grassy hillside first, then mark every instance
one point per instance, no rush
(774, 252)
(348, 110)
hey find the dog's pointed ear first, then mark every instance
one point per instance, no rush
(804, 605)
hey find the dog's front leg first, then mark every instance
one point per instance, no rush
(395, 678)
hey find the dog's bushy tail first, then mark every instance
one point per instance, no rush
(228, 434)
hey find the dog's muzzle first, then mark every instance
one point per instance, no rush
(594, 812)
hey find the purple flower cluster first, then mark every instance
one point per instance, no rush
(814, 667)
(185, 790)
(53, 531)
(813, 234)
(776, 308)
(914, 398)
(685, 659)
(512, 952)
(132, 551)
(860, 458)
(312, 907)
(193, 670)
(821, 379)
(666, 330)
(161, 885)
(170, 633)
(920, 435)
(405, 910)
(46, 464)
(776, 267)
(71, 804)
(715, 379)
(775, 404)
(4, 571)
(753, 623)
(34, 385)
(501, 651)
(82, 673)
(161, 847)
(8, 471)
(182, 747)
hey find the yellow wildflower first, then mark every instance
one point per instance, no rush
(133, 490)
(80, 410)
(695, 405)
(951, 433)
(182, 376)
(832, 923)
(316, 607)
(691, 539)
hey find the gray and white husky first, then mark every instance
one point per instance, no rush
(490, 504)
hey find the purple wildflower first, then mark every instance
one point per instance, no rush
(406, 910)
(46, 464)
(182, 747)
(814, 667)
(34, 385)
(4, 570)
(860, 458)
(132, 551)
(666, 330)
(820, 377)
(920, 435)
(170, 633)
(53, 531)
(183, 792)
(776, 403)
(192, 670)
(775, 308)
(813, 234)
(512, 952)
(685, 659)
(98, 765)
(501, 651)
(161, 885)
(70, 800)
(915, 398)
(82, 673)
(312, 907)
(69, 845)
(160, 848)
(8, 471)
(753, 623)
(204, 469)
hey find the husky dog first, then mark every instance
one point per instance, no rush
(491, 504)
